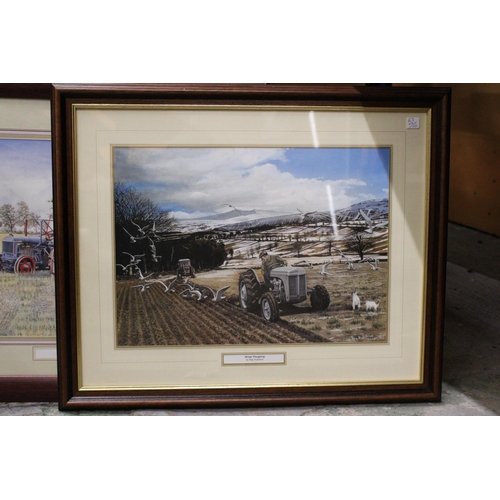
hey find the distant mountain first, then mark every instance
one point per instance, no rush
(264, 222)
(374, 209)
(228, 215)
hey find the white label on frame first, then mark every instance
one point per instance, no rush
(44, 353)
(413, 122)
(253, 359)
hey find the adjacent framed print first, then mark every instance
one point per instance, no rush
(246, 245)
(27, 287)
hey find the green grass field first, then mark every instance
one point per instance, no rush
(27, 305)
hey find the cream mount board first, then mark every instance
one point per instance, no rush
(25, 119)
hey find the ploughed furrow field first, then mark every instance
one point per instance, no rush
(154, 317)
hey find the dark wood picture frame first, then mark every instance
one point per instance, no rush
(434, 101)
(27, 388)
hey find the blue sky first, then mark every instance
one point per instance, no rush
(26, 173)
(199, 181)
(368, 164)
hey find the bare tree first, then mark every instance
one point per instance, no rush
(23, 211)
(33, 219)
(359, 242)
(329, 240)
(140, 225)
(11, 217)
(130, 205)
(8, 216)
(297, 245)
(24, 216)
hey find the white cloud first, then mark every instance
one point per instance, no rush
(201, 181)
(26, 173)
(188, 164)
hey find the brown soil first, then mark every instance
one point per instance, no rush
(156, 317)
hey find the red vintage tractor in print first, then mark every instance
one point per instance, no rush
(27, 254)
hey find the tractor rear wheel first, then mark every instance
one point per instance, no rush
(320, 298)
(269, 307)
(249, 287)
(25, 265)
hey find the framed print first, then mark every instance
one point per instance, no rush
(238, 245)
(27, 288)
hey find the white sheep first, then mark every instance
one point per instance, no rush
(356, 303)
(371, 305)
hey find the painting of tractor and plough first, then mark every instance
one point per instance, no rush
(27, 291)
(249, 246)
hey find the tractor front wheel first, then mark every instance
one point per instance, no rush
(320, 298)
(25, 265)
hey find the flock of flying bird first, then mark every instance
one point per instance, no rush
(149, 232)
(190, 290)
(372, 262)
(200, 293)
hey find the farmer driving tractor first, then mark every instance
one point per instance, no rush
(269, 262)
